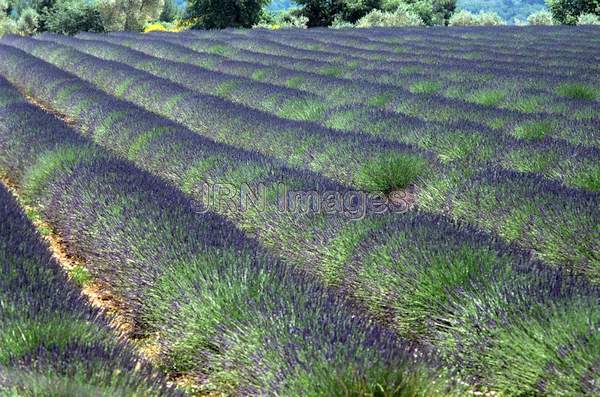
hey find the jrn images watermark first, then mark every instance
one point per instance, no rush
(353, 204)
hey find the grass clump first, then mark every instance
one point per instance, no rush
(425, 87)
(379, 100)
(219, 50)
(525, 160)
(295, 82)
(80, 275)
(488, 97)
(343, 120)
(533, 130)
(225, 89)
(142, 141)
(305, 110)
(452, 146)
(527, 105)
(390, 171)
(577, 91)
(588, 180)
(259, 75)
(332, 71)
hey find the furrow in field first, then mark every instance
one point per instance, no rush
(445, 52)
(515, 87)
(332, 51)
(402, 66)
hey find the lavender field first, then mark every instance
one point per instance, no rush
(352, 212)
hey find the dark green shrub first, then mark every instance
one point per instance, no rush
(390, 171)
(73, 16)
(568, 11)
(210, 14)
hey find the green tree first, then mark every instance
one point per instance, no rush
(28, 21)
(220, 14)
(41, 8)
(129, 15)
(431, 12)
(73, 16)
(568, 11)
(401, 17)
(170, 11)
(7, 24)
(18, 6)
(588, 19)
(353, 10)
(324, 12)
(466, 18)
(543, 17)
(319, 12)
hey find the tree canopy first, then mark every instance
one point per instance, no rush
(219, 14)
(569, 11)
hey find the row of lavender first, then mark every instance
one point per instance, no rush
(334, 91)
(540, 215)
(177, 270)
(532, 45)
(52, 341)
(321, 53)
(549, 60)
(457, 82)
(555, 159)
(546, 160)
(423, 48)
(433, 271)
(332, 153)
(528, 43)
(517, 86)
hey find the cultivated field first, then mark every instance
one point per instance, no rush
(382, 212)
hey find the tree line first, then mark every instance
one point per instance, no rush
(72, 16)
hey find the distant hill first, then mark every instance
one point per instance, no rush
(280, 5)
(507, 9)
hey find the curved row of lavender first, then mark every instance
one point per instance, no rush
(455, 188)
(217, 307)
(456, 87)
(300, 144)
(52, 342)
(451, 142)
(350, 87)
(526, 53)
(442, 263)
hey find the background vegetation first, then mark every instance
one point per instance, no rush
(28, 17)
(510, 10)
